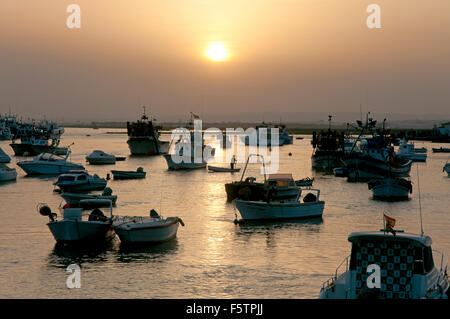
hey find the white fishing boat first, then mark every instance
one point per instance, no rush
(7, 173)
(407, 151)
(98, 157)
(79, 182)
(309, 206)
(49, 164)
(77, 226)
(186, 154)
(4, 158)
(222, 169)
(446, 168)
(407, 268)
(90, 200)
(153, 229)
(139, 173)
(390, 188)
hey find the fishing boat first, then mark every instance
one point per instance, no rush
(390, 188)
(78, 227)
(98, 157)
(80, 182)
(49, 164)
(183, 153)
(375, 159)
(328, 148)
(407, 151)
(146, 230)
(139, 173)
(441, 150)
(35, 145)
(283, 185)
(143, 137)
(406, 268)
(309, 206)
(4, 158)
(223, 169)
(90, 200)
(7, 173)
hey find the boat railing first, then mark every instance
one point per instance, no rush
(331, 281)
(246, 164)
(443, 260)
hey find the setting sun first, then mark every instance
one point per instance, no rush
(217, 51)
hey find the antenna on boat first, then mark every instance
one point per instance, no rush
(420, 202)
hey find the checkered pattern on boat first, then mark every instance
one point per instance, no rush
(396, 261)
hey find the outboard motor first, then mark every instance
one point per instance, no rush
(44, 210)
(309, 198)
(97, 216)
(154, 214)
(107, 191)
(140, 170)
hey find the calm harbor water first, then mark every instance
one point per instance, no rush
(211, 257)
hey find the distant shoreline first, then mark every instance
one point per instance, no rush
(294, 129)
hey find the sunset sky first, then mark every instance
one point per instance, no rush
(286, 56)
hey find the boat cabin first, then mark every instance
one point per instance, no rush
(402, 258)
(280, 180)
(74, 176)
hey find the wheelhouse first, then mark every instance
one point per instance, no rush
(399, 257)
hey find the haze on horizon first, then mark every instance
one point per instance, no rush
(282, 56)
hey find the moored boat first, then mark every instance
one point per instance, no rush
(311, 206)
(140, 230)
(75, 199)
(407, 151)
(390, 188)
(7, 173)
(80, 182)
(406, 269)
(143, 138)
(441, 150)
(77, 227)
(139, 173)
(99, 157)
(49, 164)
(222, 169)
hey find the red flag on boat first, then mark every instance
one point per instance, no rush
(389, 224)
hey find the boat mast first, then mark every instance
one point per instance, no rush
(420, 202)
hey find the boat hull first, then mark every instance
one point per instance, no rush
(128, 174)
(146, 146)
(252, 210)
(222, 169)
(33, 150)
(80, 188)
(186, 163)
(390, 191)
(325, 162)
(32, 168)
(147, 234)
(101, 161)
(73, 199)
(74, 231)
(8, 175)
